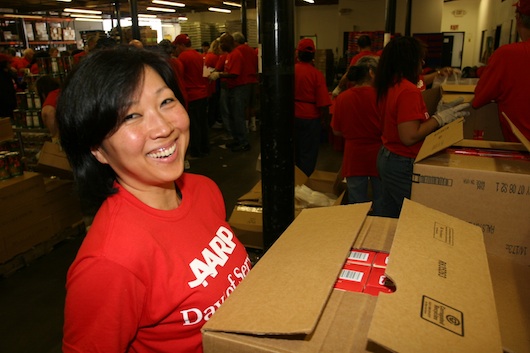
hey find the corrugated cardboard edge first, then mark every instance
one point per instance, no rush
(289, 279)
(455, 307)
(442, 138)
(517, 132)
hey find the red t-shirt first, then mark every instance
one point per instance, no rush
(402, 103)
(356, 116)
(310, 91)
(51, 98)
(505, 80)
(177, 67)
(250, 59)
(146, 280)
(79, 56)
(210, 60)
(193, 81)
(356, 58)
(234, 65)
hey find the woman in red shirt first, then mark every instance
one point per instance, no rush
(356, 118)
(405, 119)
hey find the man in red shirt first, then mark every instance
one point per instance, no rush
(90, 45)
(506, 76)
(311, 97)
(196, 87)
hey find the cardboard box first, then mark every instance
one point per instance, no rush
(493, 193)
(247, 216)
(481, 124)
(287, 303)
(6, 129)
(53, 161)
(63, 203)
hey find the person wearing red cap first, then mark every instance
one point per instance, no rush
(505, 78)
(196, 86)
(311, 98)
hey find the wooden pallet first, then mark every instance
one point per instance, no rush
(22, 260)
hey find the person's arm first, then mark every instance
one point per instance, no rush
(48, 118)
(411, 132)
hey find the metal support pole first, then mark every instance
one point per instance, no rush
(118, 19)
(408, 18)
(244, 21)
(134, 18)
(390, 20)
(277, 116)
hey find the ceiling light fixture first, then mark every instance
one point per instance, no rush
(310, 1)
(168, 3)
(182, 18)
(161, 9)
(63, 0)
(80, 15)
(144, 15)
(229, 3)
(88, 19)
(216, 9)
(21, 16)
(92, 12)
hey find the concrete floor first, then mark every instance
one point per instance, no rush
(32, 299)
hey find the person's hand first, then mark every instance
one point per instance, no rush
(443, 106)
(450, 114)
(214, 76)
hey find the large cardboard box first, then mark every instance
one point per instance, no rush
(443, 303)
(63, 203)
(53, 161)
(493, 193)
(6, 129)
(481, 124)
(247, 216)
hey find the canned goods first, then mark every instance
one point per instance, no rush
(29, 119)
(14, 164)
(29, 100)
(4, 167)
(21, 100)
(35, 119)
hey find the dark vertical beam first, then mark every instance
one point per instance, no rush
(117, 13)
(244, 21)
(276, 18)
(390, 19)
(134, 19)
(408, 18)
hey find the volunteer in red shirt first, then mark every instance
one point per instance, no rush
(311, 98)
(237, 77)
(196, 87)
(48, 90)
(356, 118)
(405, 120)
(505, 78)
(159, 258)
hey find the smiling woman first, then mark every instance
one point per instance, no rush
(159, 256)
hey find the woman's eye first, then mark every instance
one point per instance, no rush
(130, 116)
(168, 101)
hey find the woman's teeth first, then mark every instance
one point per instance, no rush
(163, 153)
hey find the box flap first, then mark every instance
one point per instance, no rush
(454, 88)
(287, 273)
(512, 290)
(442, 138)
(444, 289)
(517, 133)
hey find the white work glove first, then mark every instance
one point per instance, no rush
(214, 76)
(443, 106)
(452, 113)
(336, 91)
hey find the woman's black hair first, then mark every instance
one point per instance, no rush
(45, 84)
(305, 56)
(94, 99)
(401, 59)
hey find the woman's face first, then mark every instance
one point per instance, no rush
(149, 147)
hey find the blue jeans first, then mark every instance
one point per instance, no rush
(199, 139)
(358, 191)
(306, 143)
(238, 101)
(395, 172)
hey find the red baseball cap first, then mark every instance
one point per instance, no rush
(182, 39)
(523, 6)
(306, 45)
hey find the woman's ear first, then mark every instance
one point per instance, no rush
(99, 154)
